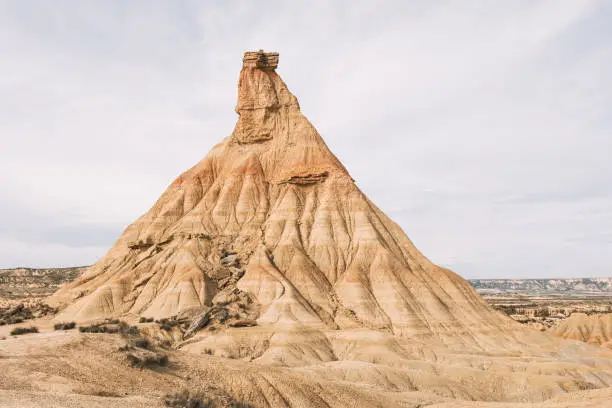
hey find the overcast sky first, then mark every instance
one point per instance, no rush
(483, 128)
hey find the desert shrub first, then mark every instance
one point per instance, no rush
(145, 320)
(127, 330)
(111, 327)
(186, 399)
(168, 324)
(107, 394)
(64, 326)
(142, 343)
(542, 312)
(98, 328)
(11, 320)
(23, 330)
(147, 359)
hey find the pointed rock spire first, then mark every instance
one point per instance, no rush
(308, 248)
(262, 97)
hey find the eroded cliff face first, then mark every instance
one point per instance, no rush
(594, 329)
(276, 256)
(312, 250)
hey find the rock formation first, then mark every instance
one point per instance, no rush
(270, 229)
(594, 329)
(315, 250)
(274, 256)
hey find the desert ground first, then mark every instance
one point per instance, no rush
(69, 368)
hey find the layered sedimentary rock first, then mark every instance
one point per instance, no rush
(275, 256)
(310, 249)
(29, 283)
(260, 59)
(594, 329)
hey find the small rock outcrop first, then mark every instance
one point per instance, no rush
(260, 59)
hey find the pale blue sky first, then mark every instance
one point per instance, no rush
(483, 128)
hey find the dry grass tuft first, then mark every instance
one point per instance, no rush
(64, 326)
(23, 330)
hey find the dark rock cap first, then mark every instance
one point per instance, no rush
(260, 59)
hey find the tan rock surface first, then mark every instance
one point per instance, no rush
(594, 329)
(316, 251)
(342, 309)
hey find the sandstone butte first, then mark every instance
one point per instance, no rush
(316, 251)
(269, 237)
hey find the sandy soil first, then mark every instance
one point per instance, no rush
(72, 369)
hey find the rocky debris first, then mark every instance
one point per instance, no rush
(307, 179)
(260, 59)
(198, 323)
(231, 308)
(229, 271)
(147, 243)
(139, 244)
(230, 260)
